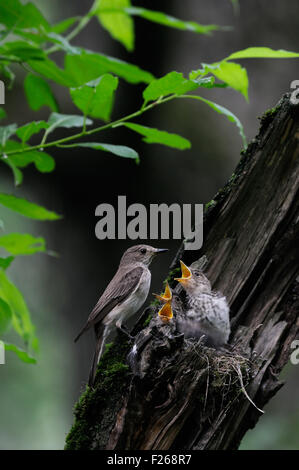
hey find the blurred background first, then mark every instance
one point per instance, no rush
(36, 400)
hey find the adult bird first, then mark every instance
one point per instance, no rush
(122, 298)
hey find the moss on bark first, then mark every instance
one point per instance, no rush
(101, 404)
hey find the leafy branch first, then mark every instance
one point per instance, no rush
(56, 118)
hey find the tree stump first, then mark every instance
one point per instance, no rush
(177, 393)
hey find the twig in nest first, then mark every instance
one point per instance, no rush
(238, 370)
(208, 382)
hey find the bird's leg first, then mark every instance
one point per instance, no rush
(123, 330)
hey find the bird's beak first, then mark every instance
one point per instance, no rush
(186, 274)
(167, 296)
(161, 250)
(165, 313)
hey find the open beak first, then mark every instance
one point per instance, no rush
(165, 313)
(167, 296)
(186, 274)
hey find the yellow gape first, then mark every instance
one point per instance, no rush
(186, 273)
(167, 296)
(165, 313)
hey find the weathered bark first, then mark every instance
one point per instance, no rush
(181, 394)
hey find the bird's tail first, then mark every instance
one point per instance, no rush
(101, 334)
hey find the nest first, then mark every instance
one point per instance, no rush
(228, 370)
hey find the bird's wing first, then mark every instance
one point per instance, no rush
(120, 287)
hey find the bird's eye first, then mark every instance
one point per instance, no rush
(143, 250)
(196, 273)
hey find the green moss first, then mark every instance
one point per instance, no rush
(108, 346)
(101, 404)
(268, 115)
(171, 275)
(148, 319)
(154, 303)
(113, 359)
(212, 203)
(115, 368)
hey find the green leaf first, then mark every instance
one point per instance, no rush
(64, 25)
(155, 136)
(26, 208)
(10, 75)
(17, 174)
(23, 355)
(222, 110)
(6, 262)
(262, 52)
(5, 316)
(88, 66)
(120, 150)
(14, 14)
(39, 93)
(50, 71)
(21, 320)
(6, 132)
(194, 74)
(31, 36)
(22, 51)
(234, 75)
(65, 120)
(42, 161)
(118, 23)
(170, 21)
(28, 130)
(206, 82)
(172, 83)
(22, 244)
(96, 98)
(2, 113)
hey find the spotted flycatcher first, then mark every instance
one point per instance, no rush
(122, 298)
